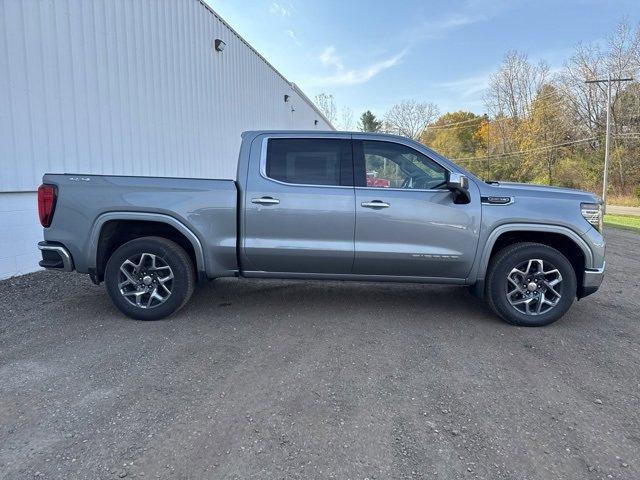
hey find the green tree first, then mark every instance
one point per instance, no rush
(369, 123)
(458, 135)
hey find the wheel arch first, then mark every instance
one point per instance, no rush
(110, 230)
(568, 242)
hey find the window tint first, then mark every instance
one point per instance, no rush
(310, 161)
(391, 165)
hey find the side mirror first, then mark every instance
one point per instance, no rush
(459, 185)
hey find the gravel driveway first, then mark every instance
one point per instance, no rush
(270, 379)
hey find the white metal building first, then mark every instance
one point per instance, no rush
(144, 87)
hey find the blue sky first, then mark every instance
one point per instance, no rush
(372, 54)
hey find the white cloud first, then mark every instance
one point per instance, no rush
(280, 8)
(457, 20)
(329, 58)
(468, 86)
(291, 34)
(353, 76)
(438, 28)
(471, 12)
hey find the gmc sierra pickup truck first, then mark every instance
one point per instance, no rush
(327, 206)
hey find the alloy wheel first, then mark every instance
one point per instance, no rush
(145, 280)
(534, 287)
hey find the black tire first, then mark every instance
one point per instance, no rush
(497, 283)
(167, 253)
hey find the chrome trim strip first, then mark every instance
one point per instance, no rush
(263, 161)
(352, 277)
(67, 262)
(263, 164)
(389, 189)
(265, 201)
(375, 204)
(593, 277)
(511, 202)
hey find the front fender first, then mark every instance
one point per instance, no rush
(481, 263)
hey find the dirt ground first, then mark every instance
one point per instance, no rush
(274, 379)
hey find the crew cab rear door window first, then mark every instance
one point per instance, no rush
(309, 161)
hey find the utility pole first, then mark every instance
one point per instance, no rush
(607, 139)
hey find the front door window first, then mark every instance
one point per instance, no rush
(392, 165)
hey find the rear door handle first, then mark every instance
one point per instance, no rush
(265, 201)
(375, 204)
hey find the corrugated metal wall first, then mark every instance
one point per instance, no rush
(131, 87)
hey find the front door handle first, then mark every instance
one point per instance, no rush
(265, 201)
(376, 204)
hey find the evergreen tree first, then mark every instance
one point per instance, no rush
(369, 123)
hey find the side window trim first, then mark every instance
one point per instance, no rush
(263, 164)
(360, 171)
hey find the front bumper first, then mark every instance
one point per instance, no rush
(591, 281)
(55, 257)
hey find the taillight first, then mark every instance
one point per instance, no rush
(46, 203)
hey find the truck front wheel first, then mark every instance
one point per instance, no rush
(530, 284)
(149, 278)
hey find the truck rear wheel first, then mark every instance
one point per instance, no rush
(530, 284)
(149, 278)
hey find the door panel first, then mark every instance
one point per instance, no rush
(420, 234)
(300, 228)
(407, 223)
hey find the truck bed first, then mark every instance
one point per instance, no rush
(205, 207)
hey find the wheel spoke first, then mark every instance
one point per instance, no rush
(513, 282)
(151, 297)
(515, 270)
(133, 292)
(551, 289)
(554, 282)
(157, 296)
(166, 279)
(513, 292)
(541, 302)
(145, 256)
(162, 283)
(129, 278)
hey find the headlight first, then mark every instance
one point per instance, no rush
(592, 213)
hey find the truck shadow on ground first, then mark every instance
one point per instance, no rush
(317, 299)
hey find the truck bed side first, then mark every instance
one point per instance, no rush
(86, 204)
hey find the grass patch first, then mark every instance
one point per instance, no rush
(628, 222)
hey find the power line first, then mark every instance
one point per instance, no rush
(530, 150)
(437, 126)
(467, 123)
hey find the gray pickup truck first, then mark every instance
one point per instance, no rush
(327, 206)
